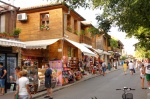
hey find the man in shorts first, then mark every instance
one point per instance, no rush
(48, 77)
(147, 71)
(2, 78)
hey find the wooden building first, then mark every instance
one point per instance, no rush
(51, 32)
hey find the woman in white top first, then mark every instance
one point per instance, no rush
(23, 86)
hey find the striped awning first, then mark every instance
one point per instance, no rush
(15, 43)
(39, 44)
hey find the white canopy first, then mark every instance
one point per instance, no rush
(100, 52)
(85, 50)
(39, 44)
(5, 42)
(106, 53)
(44, 43)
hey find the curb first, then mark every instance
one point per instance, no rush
(40, 94)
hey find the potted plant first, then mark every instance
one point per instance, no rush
(16, 32)
(10, 36)
(2, 35)
(69, 28)
(44, 27)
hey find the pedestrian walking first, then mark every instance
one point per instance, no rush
(3, 73)
(125, 68)
(115, 64)
(104, 68)
(18, 75)
(48, 78)
(109, 66)
(142, 76)
(23, 86)
(131, 67)
(147, 71)
(99, 68)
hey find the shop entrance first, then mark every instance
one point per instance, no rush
(10, 63)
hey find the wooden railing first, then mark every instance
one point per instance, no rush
(86, 40)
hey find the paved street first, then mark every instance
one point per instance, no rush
(103, 87)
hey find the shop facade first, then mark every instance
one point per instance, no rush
(63, 55)
(10, 54)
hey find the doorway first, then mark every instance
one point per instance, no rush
(10, 62)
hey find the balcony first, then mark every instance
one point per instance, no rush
(110, 48)
(8, 36)
(117, 50)
(86, 40)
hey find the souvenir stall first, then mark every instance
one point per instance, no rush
(33, 62)
(31, 66)
(71, 70)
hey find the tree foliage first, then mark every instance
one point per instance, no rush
(123, 57)
(131, 16)
(94, 31)
(113, 43)
(74, 3)
(141, 52)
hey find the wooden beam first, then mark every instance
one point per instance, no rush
(9, 4)
(3, 7)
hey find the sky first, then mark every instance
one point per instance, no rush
(89, 15)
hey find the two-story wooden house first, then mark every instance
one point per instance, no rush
(102, 43)
(49, 22)
(85, 36)
(9, 48)
(51, 32)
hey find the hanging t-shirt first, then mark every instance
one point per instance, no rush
(147, 66)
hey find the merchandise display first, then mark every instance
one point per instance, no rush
(31, 66)
(41, 79)
(71, 71)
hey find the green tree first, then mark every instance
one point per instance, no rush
(131, 16)
(141, 52)
(113, 43)
(123, 57)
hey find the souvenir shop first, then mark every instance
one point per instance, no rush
(65, 62)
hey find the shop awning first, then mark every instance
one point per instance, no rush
(97, 51)
(100, 52)
(15, 43)
(106, 53)
(40, 44)
(85, 50)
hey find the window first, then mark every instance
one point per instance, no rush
(2, 23)
(45, 21)
(71, 52)
(68, 20)
(105, 41)
(75, 26)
